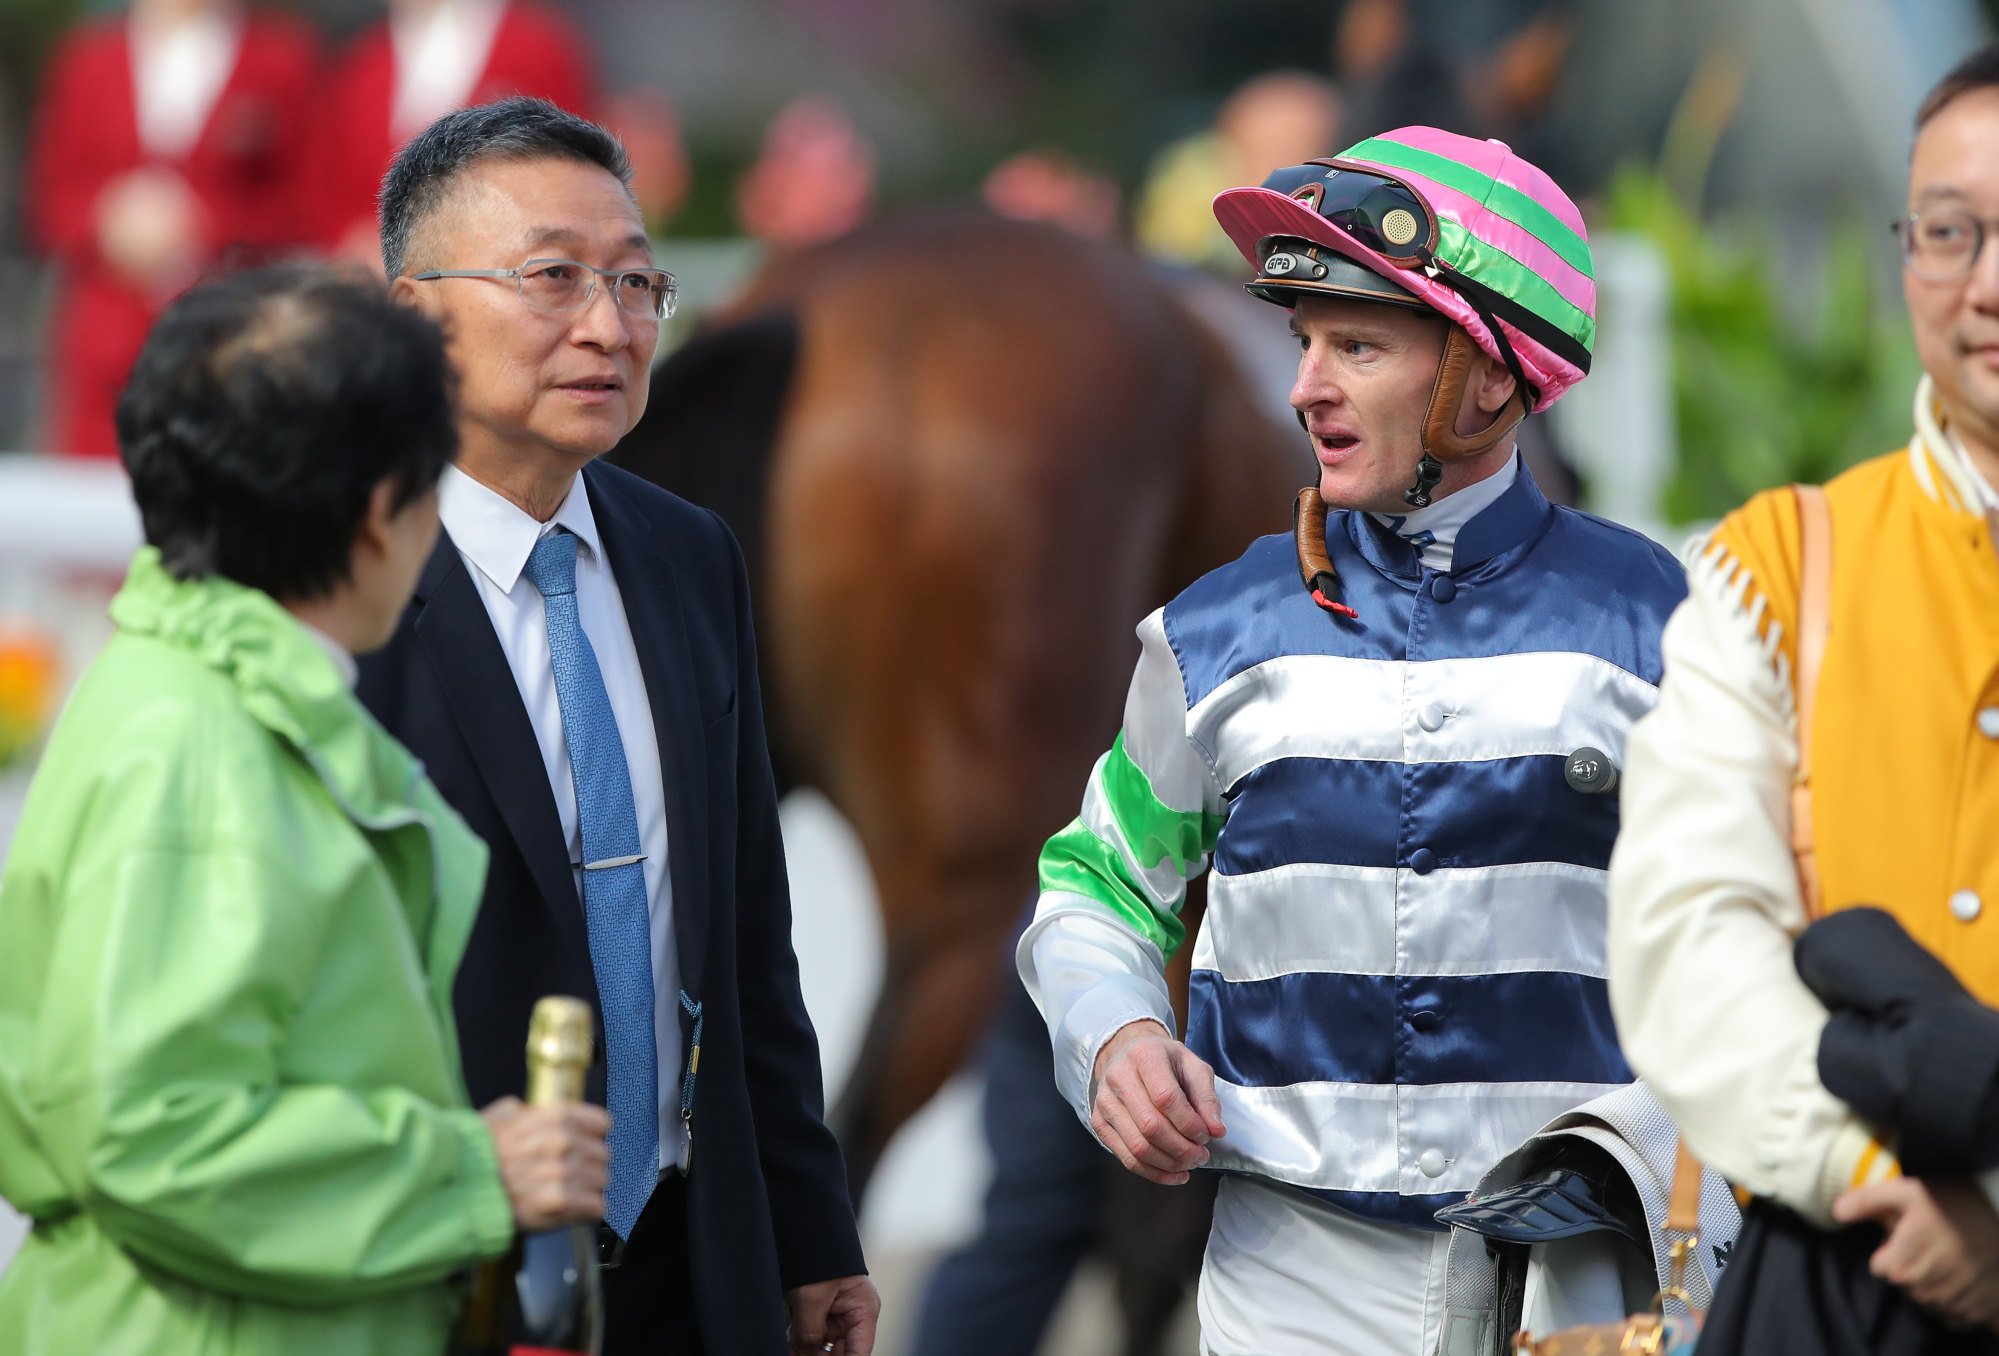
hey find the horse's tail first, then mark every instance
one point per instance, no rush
(709, 435)
(711, 423)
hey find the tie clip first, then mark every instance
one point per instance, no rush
(610, 862)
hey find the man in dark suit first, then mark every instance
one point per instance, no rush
(577, 672)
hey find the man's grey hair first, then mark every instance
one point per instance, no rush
(518, 128)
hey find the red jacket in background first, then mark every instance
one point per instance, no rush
(244, 169)
(535, 51)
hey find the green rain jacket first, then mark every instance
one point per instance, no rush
(229, 1086)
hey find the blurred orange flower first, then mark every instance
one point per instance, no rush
(29, 666)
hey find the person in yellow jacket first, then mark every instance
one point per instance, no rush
(1904, 758)
(230, 1097)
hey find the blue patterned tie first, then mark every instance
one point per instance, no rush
(614, 885)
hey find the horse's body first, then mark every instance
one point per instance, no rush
(965, 457)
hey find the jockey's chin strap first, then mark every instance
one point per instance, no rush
(1441, 442)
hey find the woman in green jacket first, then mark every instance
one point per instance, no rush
(229, 1087)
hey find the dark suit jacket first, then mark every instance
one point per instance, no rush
(767, 1194)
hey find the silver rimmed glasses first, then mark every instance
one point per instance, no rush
(566, 285)
(1941, 244)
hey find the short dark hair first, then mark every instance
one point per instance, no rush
(264, 410)
(518, 128)
(1978, 71)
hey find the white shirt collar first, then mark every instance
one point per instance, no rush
(1988, 496)
(1433, 531)
(497, 535)
(1947, 455)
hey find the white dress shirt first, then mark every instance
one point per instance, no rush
(494, 537)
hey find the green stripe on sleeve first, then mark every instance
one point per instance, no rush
(1078, 862)
(1502, 199)
(1156, 831)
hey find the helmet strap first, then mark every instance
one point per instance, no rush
(1428, 472)
(1441, 440)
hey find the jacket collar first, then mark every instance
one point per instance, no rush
(1942, 467)
(287, 681)
(1507, 522)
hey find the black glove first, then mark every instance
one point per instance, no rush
(1861, 958)
(1907, 1047)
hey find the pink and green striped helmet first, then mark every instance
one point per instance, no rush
(1461, 225)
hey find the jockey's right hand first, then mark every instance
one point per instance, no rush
(1153, 1104)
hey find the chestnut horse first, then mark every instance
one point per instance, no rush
(964, 456)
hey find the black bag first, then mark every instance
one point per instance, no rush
(1792, 1289)
(1909, 1049)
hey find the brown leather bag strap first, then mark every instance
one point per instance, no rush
(1683, 1207)
(1814, 625)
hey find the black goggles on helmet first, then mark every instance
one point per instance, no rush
(1382, 213)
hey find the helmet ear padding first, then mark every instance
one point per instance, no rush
(1441, 438)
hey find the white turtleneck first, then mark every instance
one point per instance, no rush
(1433, 531)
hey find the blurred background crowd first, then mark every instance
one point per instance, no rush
(1756, 146)
(1737, 162)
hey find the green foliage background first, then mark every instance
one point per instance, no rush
(1760, 398)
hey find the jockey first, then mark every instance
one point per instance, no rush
(1399, 769)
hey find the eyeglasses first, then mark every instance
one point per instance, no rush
(1382, 213)
(565, 285)
(1942, 245)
